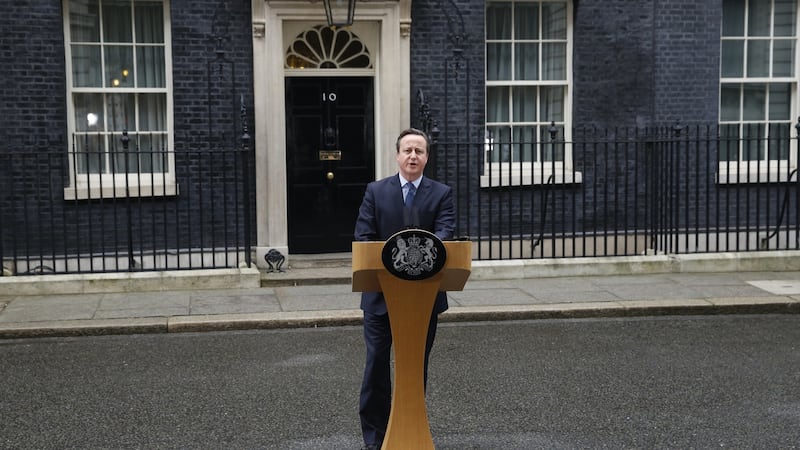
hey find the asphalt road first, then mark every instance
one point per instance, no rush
(668, 382)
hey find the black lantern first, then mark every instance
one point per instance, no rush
(340, 12)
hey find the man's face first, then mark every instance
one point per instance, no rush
(412, 156)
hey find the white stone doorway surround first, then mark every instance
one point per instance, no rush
(384, 26)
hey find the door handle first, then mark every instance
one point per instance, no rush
(330, 176)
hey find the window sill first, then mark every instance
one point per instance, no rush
(528, 179)
(755, 177)
(96, 193)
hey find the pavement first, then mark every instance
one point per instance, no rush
(313, 297)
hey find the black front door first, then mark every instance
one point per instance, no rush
(329, 159)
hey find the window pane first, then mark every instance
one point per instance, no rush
(117, 21)
(526, 62)
(525, 142)
(733, 18)
(524, 99)
(783, 58)
(779, 102)
(84, 21)
(753, 142)
(729, 103)
(340, 43)
(526, 21)
(88, 112)
(754, 101)
(729, 143)
(552, 149)
(498, 61)
(119, 62)
(758, 18)
(498, 20)
(86, 66)
(149, 22)
(554, 20)
(554, 61)
(732, 59)
(778, 144)
(150, 66)
(121, 110)
(152, 112)
(497, 104)
(552, 104)
(758, 58)
(784, 18)
(152, 147)
(499, 145)
(90, 155)
(125, 159)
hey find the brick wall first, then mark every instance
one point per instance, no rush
(687, 61)
(206, 98)
(32, 88)
(613, 79)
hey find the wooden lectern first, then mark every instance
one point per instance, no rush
(410, 304)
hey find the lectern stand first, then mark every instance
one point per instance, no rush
(410, 305)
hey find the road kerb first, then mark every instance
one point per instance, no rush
(92, 327)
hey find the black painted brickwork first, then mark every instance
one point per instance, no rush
(613, 84)
(687, 61)
(199, 30)
(32, 88)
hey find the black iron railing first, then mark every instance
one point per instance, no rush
(624, 192)
(195, 213)
(598, 193)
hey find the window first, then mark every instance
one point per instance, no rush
(528, 73)
(758, 90)
(324, 47)
(118, 80)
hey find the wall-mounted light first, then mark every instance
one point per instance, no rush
(340, 13)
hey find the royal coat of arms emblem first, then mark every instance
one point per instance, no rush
(414, 254)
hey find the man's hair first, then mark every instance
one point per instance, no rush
(417, 132)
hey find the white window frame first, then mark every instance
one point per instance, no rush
(84, 186)
(520, 173)
(764, 170)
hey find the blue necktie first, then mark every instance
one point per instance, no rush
(412, 191)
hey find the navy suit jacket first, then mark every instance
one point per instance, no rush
(382, 214)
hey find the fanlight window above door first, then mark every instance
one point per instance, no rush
(324, 47)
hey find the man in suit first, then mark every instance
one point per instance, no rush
(405, 200)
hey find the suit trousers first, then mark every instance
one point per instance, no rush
(376, 388)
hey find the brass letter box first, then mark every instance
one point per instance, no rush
(330, 155)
